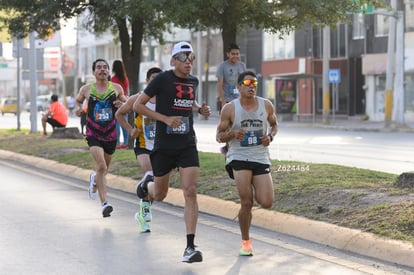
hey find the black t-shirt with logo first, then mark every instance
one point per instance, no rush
(175, 97)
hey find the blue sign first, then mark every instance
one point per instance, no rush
(334, 76)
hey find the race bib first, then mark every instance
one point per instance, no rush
(184, 128)
(149, 131)
(104, 114)
(252, 138)
(233, 90)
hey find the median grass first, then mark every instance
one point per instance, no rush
(350, 197)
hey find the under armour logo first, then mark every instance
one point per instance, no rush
(182, 92)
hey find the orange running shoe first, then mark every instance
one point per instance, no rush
(246, 248)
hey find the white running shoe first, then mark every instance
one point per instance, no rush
(107, 209)
(92, 187)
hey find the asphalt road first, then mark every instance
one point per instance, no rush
(390, 152)
(380, 151)
(49, 226)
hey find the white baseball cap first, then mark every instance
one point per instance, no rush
(181, 47)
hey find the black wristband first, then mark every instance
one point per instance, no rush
(199, 111)
(271, 137)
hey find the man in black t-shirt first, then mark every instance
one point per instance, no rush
(175, 140)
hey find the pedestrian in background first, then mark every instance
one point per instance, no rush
(120, 76)
(144, 134)
(70, 102)
(83, 116)
(175, 143)
(227, 74)
(103, 98)
(248, 124)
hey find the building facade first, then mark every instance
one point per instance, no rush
(292, 67)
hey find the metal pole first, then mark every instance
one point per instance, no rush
(199, 70)
(298, 99)
(18, 51)
(61, 72)
(33, 84)
(77, 55)
(313, 100)
(390, 69)
(398, 100)
(334, 90)
(325, 69)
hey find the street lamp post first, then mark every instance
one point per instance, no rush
(33, 84)
(394, 94)
(398, 108)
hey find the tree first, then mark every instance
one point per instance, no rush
(231, 16)
(130, 21)
(42, 16)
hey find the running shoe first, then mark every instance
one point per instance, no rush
(191, 255)
(145, 210)
(92, 191)
(142, 185)
(107, 210)
(246, 248)
(142, 224)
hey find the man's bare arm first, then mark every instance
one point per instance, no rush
(223, 133)
(120, 115)
(82, 95)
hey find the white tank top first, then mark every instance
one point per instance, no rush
(251, 148)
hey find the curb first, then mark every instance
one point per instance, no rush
(352, 240)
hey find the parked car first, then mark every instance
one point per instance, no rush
(8, 105)
(41, 106)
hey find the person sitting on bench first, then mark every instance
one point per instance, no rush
(57, 115)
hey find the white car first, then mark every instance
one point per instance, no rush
(41, 106)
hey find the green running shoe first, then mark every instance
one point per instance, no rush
(145, 210)
(142, 224)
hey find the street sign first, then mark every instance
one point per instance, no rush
(364, 8)
(334, 76)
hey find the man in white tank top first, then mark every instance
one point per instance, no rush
(248, 124)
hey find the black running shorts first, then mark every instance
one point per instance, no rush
(255, 167)
(163, 161)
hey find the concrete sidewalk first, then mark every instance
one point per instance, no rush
(355, 241)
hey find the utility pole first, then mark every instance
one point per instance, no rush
(398, 100)
(199, 70)
(17, 52)
(75, 79)
(326, 99)
(390, 68)
(61, 71)
(33, 84)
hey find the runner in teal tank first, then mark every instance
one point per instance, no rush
(103, 98)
